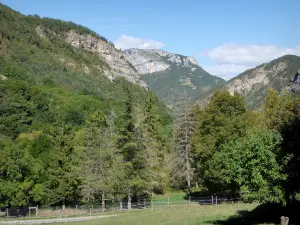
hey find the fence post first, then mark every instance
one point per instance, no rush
(216, 200)
(103, 202)
(212, 199)
(129, 202)
(151, 204)
(284, 220)
(168, 200)
(121, 205)
(76, 207)
(92, 208)
(7, 213)
(90, 211)
(189, 199)
(103, 206)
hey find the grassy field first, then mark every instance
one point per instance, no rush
(173, 195)
(176, 215)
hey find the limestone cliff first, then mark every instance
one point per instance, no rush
(171, 75)
(253, 84)
(148, 61)
(115, 58)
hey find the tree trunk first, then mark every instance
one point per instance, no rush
(103, 202)
(129, 202)
(188, 178)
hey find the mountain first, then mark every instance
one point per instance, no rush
(171, 76)
(56, 53)
(72, 115)
(279, 74)
(100, 55)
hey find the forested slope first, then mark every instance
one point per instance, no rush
(66, 130)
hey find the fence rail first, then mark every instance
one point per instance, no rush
(111, 206)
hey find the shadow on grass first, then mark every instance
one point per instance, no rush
(267, 213)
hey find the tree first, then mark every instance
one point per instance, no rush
(183, 130)
(16, 111)
(282, 113)
(278, 109)
(103, 169)
(225, 118)
(250, 166)
(151, 144)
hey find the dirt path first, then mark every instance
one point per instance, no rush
(59, 220)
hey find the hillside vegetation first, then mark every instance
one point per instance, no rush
(68, 133)
(175, 82)
(172, 76)
(253, 83)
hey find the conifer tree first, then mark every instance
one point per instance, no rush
(183, 129)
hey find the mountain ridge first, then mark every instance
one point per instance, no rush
(172, 76)
(254, 83)
(148, 57)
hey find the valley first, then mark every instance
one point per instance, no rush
(85, 123)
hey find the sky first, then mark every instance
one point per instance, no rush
(226, 37)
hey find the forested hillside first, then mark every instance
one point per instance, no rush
(170, 75)
(253, 84)
(67, 131)
(71, 132)
(253, 154)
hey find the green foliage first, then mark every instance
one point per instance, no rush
(170, 84)
(224, 119)
(15, 112)
(66, 133)
(282, 114)
(250, 166)
(251, 154)
(47, 133)
(278, 109)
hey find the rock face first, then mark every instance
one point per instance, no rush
(171, 76)
(145, 61)
(114, 58)
(177, 73)
(134, 64)
(156, 60)
(254, 78)
(295, 83)
(253, 84)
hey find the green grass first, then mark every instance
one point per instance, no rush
(173, 195)
(175, 215)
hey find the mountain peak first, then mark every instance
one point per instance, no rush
(170, 75)
(279, 74)
(154, 60)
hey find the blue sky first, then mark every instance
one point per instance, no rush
(225, 36)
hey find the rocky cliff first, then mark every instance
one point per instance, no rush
(253, 84)
(156, 60)
(165, 73)
(115, 58)
(172, 76)
(145, 61)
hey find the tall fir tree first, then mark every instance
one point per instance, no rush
(181, 161)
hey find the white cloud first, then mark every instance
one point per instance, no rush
(126, 42)
(232, 59)
(226, 71)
